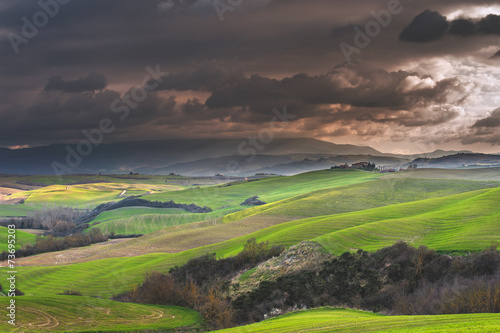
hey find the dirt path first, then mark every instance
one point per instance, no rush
(49, 320)
(155, 315)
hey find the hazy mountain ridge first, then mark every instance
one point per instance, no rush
(201, 157)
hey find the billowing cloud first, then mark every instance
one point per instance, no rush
(426, 27)
(492, 120)
(489, 25)
(430, 26)
(353, 84)
(485, 130)
(462, 27)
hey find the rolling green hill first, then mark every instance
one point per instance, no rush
(216, 197)
(352, 321)
(87, 195)
(22, 237)
(341, 210)
(357, 197)
(143, 220)
(463, 222)
(88, 314)
(268, 189)
(15, 210)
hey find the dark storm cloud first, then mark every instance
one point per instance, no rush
(206, 77)
(492, 121)
(351, 83)
(430, 26)
(91, 82)
(370, 94)
(485, 130)
(462, 27)
(426, 27)
(225, 75)
(67, 116)
(490, 25)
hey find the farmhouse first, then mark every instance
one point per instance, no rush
(361, 165)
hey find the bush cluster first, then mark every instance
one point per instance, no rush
(51, 244)
(399, 280)
(55, 220)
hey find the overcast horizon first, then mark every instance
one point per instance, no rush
(402, 77)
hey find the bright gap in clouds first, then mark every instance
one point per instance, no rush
(477, 12)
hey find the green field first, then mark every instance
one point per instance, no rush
(88, 195)
(87, 314)
(462, 222)
(15, 210)
(352, 321)
(22, 237)
(357, 197)
(268, 189)
(143, 220)
(340, 210)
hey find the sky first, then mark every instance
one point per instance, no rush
(399, 76)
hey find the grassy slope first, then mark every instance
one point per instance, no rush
(488, 174)
(21, 238)
(268, 189)
(55, 192)
(122, 213)
(15, 210)
(87, 314)
(142, 220)
(464, 222)
(109, 276)
(217, 197)
(88, 195)
(467, 221)
(337, 200)
(366, 195)
(352, 321)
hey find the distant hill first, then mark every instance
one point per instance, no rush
(461, 160)
(314, 163)
(199, 157)
(435, 154)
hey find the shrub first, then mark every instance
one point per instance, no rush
(50, 243)
(476, 295)
(71, 292)
(253, 201)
